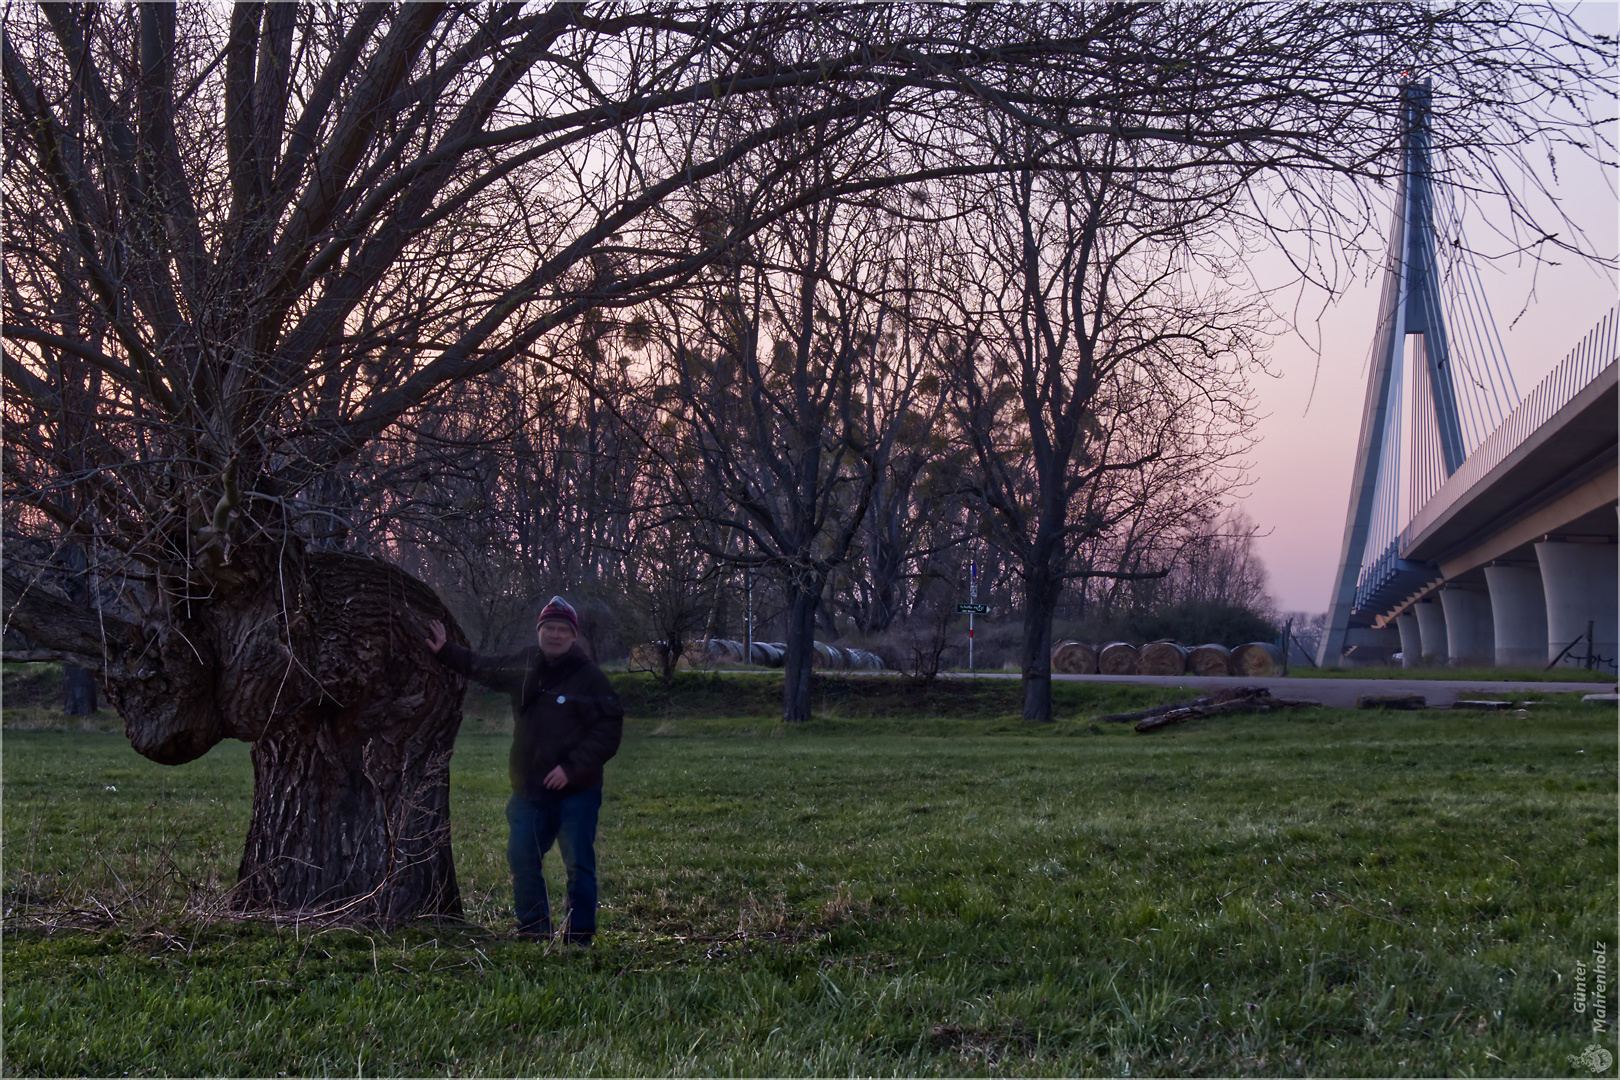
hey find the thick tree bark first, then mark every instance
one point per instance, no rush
(319, 660)
(1041, 589)
(78, 685)
(349, 819)
(78, 691)
(798, 662)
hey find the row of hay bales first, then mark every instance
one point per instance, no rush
(1256, 659)
(764, 654)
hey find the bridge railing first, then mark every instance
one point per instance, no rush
(1596, 352)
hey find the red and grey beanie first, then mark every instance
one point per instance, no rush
(558, 610)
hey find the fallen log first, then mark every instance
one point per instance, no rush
(1214, 698)
(1391, 701)
(1244, 699)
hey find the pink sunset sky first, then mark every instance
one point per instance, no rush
(1301, 468)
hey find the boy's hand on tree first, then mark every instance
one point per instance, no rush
(556, 779)
(436, 635)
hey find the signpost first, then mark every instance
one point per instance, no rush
(973, 606)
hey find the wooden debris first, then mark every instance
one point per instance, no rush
(1392, 701)
(1140, 714)
(1237, 700)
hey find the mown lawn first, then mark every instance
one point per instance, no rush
(879, 893)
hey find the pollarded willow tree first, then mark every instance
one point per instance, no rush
(244, 245)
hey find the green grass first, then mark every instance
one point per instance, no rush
(878, 892)
(1451, 674)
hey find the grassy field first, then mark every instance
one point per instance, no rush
(914, 883)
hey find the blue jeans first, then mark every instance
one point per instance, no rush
(570, 820)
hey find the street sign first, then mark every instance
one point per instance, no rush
(973, 609)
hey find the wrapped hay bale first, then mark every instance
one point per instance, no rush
(826, 657)
(1210, 660)
(767, 654)
(862, 660)
(1117, 658)
(1074, 658)
(1162, 658)
(1257, 660)
(725, 651)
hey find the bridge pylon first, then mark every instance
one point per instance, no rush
(1411, 306)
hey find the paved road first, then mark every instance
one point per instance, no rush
(1343, 692)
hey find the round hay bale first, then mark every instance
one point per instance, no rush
(1074, 658)
(1162, 658)
(766, 654)
(1210, 660)
(861, 660)
(1257, 660)
(1117, 658)
(826, 657)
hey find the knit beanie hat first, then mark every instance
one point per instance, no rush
(558, 610)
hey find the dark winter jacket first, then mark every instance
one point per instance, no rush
(563, 713)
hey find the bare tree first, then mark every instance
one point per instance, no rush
(249, 250)
(288, 230)
(673, 592)
(770, 370)
(1084, 329)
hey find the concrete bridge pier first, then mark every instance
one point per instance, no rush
(1519, 612)
(1580, 581)
(1470, 637)
(1411, 639)
(1431, 620)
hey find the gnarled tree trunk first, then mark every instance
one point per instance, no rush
(318, 659)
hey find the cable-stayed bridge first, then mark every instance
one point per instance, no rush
(1482, 524)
